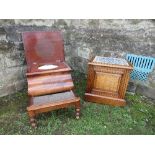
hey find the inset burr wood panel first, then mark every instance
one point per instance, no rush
(107, 81)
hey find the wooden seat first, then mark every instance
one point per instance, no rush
(46, 48)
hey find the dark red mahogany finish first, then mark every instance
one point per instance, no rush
(43, 47)
(47, 48)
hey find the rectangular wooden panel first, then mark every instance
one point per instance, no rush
(43, 47)
(107, 81)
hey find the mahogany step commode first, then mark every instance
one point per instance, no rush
(48, 89)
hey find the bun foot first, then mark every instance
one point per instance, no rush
(33, 125)
(77, 117)
(33, 122)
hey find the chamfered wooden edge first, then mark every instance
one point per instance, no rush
(104, 100)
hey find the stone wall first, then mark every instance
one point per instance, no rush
(82, 40)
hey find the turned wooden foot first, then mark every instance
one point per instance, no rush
(33, 122)
(77, 113)
(32, 119)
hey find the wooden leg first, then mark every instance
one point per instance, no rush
(32, 119)
(77, 112)
(33, 122)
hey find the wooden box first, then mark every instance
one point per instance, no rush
(107, 80)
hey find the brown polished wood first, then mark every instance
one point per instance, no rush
(107, 84)
(49, 83)
(45, 48)
(45, 103)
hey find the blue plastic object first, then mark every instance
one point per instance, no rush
(142, 66)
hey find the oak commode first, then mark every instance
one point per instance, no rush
(107, 80)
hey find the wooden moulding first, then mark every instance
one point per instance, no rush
(49, 83)
(62, 68)
(110, 65)
(107, 83)
(104, 100)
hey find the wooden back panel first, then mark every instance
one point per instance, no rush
(43, 47)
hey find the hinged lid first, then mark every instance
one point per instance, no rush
(43, 47)
(111, 61)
